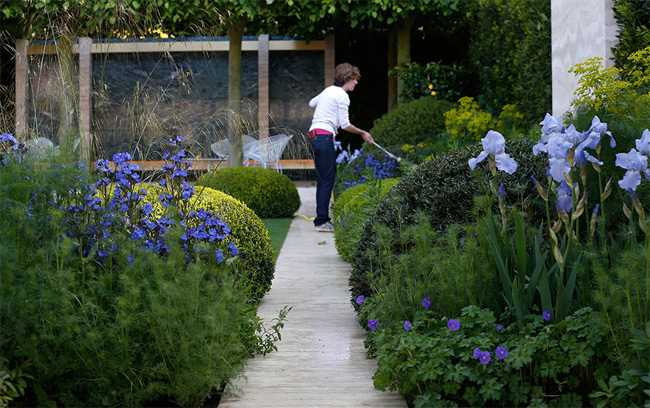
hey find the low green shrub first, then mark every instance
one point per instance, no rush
(412, 122)
(248, 233)
(351, 210)
(444, 189)
(265, 191)
(468, 360)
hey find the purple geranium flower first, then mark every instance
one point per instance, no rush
(426, 303)
(500, 328)
(476, 354)
(547, 315)
(501, 352)
(372, 324)
(360, 299)
(485, 357)
(453, 325)
(407, 326)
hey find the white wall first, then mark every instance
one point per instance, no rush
(580, 29)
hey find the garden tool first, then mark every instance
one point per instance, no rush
(389, 154)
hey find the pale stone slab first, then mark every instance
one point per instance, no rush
(581, 29)
(321, 360)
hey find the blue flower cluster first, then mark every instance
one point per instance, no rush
(115, 204)
(9, 145)
(372, 168)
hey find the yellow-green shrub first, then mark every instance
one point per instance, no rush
(467, 122)
(249, 234)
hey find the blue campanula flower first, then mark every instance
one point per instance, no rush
(137, 234)
(408, 326)
(188, 190)
(564, 197)
(453, 325)
(372, 324)
(8, 138)
(501, 353)
(547, 315)
(233, 249)
(219, 256)
(635, 164)
(494, 145)
(360, 300)
(123, 157)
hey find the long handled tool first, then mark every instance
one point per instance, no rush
(389, 154)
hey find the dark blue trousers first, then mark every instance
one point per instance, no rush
(325, 163)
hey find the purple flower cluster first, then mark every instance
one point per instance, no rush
(485, 357)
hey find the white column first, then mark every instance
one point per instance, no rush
(581, 29)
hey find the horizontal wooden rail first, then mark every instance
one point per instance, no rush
(212, 164)
(181, 46)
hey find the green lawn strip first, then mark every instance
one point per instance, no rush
(278, 229)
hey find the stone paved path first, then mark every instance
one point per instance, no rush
(321, 361)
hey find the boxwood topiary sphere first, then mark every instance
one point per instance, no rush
(412, 122)
(265, 191)
(444, 190)
(248, 233)
(351, 210)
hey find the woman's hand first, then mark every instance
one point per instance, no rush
(367, 137)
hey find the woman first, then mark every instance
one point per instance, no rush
(330, 114)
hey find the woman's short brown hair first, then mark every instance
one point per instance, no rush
(345, 72)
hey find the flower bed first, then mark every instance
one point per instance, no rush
(111, 300)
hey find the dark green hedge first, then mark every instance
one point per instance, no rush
(444, 190)
(633, 19)
(412, 122)
(265, 191)
(510, 50)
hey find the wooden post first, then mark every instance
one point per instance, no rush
(263, 85)
(330, 59)
(403, 50)
(392, 62)
(234, 93)
(22, 89)
(85, 100)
